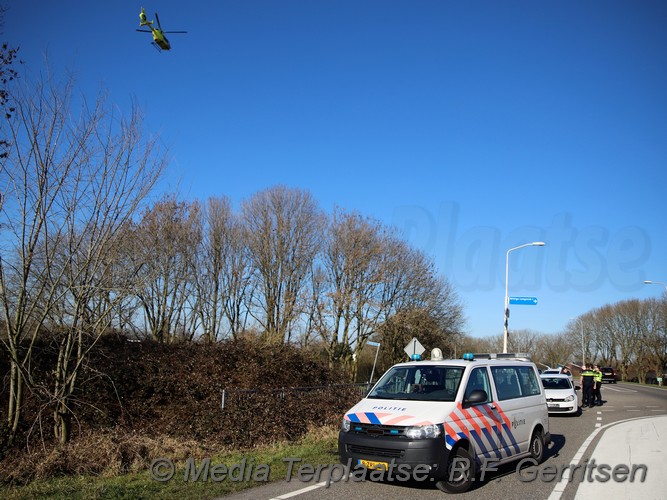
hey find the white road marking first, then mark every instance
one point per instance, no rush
(558, 490)
(619, 389)
(301, 491)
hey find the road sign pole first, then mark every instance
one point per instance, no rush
(414, 348)
(507, 272)
(377, 351)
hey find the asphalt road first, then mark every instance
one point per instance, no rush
(574, 439)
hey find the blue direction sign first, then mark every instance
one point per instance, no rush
(523, 301)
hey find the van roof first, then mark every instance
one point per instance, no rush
(464, 362)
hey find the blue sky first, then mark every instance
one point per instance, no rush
(473, 127)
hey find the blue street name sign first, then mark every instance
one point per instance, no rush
(523, 301)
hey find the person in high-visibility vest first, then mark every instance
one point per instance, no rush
(587, 382)
(598, 385)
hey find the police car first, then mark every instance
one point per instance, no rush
(439, 414)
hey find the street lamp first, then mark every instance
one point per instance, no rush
(649, 282)
(507, 272)
(583, 348)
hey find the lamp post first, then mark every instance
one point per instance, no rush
(649, 282)
(583, 348)
(507, 299)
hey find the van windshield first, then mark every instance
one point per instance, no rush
(419, 383)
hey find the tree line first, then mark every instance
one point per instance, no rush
(85, 250)
(279, 269)
(630, 335)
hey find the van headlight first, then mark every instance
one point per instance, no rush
(423, 431)
(345, 427)
(569, 398)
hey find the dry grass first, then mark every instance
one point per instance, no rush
(98, 453)
(117, 467)
(111, 454)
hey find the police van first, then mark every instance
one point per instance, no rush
(452, 417)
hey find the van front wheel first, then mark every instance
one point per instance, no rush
(460, 473)
(537, 447)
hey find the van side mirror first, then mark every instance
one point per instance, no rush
(477, 396)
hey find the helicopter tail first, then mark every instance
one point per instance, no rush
(142, 18)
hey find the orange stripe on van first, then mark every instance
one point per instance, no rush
(398, 419)
(495, 420)
(460, 422)
(484, 417)
(470, 419)
(502, 415)
(449, 430)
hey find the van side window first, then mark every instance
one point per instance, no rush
(506, 380)
(529, 383)
(479, 379)
(515, 382)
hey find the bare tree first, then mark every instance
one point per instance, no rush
(372, 282)
(124, 272)
(237, 275)
(350, 267)
(649, 345)
(549, 350)
(656, 339)
(525, 341)
(209, 264)
(419, 304)
(283, 230)
(71, 181)
(599, 338)
(166, 240)
(405, 283)
(223, 275)
(629, 334)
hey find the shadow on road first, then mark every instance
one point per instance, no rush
(484, 473)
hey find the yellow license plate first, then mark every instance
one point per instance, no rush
(369, 464)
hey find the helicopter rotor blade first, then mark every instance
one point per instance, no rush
(174, 32)
(145, 31)
(158, 21)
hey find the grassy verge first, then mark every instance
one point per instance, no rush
(245, 469)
